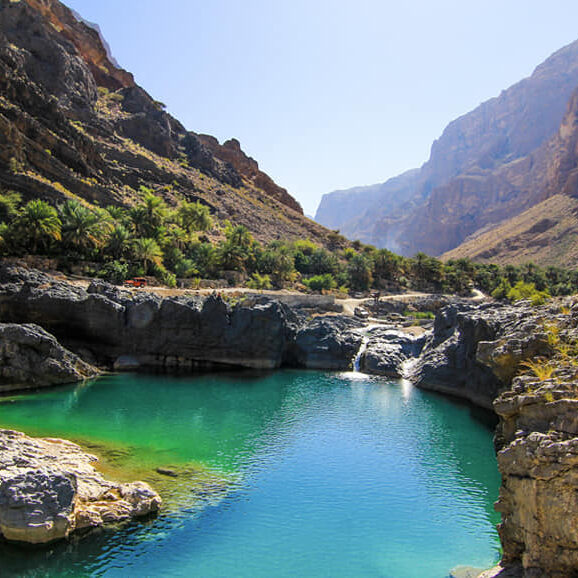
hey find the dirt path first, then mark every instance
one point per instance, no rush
(349, 304)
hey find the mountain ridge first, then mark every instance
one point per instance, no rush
(72, 123)
(448, 200)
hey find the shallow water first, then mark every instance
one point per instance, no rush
(335, 475)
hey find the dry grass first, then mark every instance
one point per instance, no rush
(516, 242)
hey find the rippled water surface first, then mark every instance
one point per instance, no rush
(330, 475)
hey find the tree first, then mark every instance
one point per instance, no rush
(194, 216)
(117, 245)
(322, 261)
(387, 265)
(426, 269)
(236, 250)
(277, 261)
(9, 203)
(320, 282)
(205, 258)
(37, 225)
(149, 215)
(359, 273)
(148, 251)
(84, 229)
(502, 289)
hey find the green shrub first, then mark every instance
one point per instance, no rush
(259, 282)
(522, 290)
(323, 282)
(114, 272)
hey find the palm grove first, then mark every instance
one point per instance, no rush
(186, 242)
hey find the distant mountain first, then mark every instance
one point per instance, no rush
(546, 232)
(75, 124)
(488, 166)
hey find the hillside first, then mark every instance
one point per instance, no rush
(488, 166)
(73, 124)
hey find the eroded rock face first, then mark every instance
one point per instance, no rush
(478, 353)
(539, 466)
(31, 357)
(388, 349)
(50, 488)
(328, 343)
(470, 183)
(124, 330)
(475, 351)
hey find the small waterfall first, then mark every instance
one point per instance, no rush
(407, 366)
(360, 352)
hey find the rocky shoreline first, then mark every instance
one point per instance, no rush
(476, 352)
(50, 488)
(522, 362)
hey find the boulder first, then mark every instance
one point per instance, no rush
(387, 350)
(31, 357)
(49, 488)
(475, 350)
(328, 342)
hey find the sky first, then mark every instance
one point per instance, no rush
(328, 95)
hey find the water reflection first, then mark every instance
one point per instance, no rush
(340, 474)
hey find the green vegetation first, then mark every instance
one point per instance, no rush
(419, 314)
(185, 241)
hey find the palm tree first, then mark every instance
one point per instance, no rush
(240, 236)
(149, 215)
(194, 216)
(38, 224)
(237, 249)
(119, 214)
(148, 251)
(118, 242)
(9, 203)
(82, 228)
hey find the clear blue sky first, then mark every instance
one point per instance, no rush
(328, 95)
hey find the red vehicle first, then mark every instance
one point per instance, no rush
(136, 282)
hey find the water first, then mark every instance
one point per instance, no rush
(335, 475)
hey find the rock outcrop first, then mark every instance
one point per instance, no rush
(474, 351)
(50, 488)
(327, 343)
(538, 460)
(31, 357)
(125, 330)
(520, 361)
(387, 350)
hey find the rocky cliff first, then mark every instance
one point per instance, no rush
(488, 166)
(74, 124)
(123, 330)
(522, 362)
(546, 186)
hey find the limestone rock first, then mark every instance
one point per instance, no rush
(31, 357)
(176, 333)
(388, 349)
(50, 488)
(328, 342)
(475, 351)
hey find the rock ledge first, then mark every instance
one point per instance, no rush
(50, 488)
